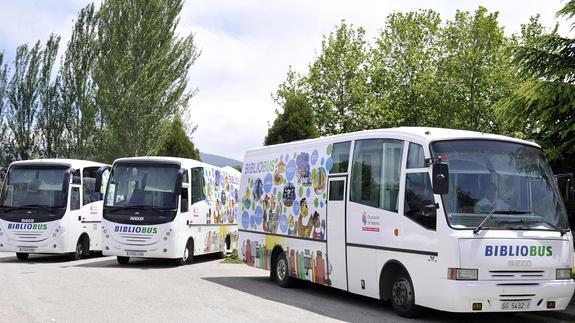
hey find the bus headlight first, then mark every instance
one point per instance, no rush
(462, 274)
(563, 273)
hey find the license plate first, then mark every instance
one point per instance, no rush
(515, 305)
(135, 253)
(27, 249)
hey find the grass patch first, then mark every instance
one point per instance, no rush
(233, 258)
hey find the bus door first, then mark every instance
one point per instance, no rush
(336, 248)
(75, 199)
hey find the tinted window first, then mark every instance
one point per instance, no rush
(198, 193)
(90, 195)
(186, 178)
(33, 185)
(415, 156)
(336, 190)
(340, 157)
(375, 173)
(185, 200)
(75, 198)
(418, 200)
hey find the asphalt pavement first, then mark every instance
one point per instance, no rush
(98, 289)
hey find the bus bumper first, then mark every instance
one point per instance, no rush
(161, 249)
(503, 296)
(49, 246)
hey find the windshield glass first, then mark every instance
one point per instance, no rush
(512, 181)
(35, 186)
(142, 185)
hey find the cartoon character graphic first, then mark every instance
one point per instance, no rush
(275, 220)
(278, 173)
(246, 200)
(258, 189)
(318, 229)
(223, 198)
(247, 252)
(218, 178)
(209, 216)
(291, 226)
(304, 230)
(227, 180)
(218, 212)
(266, 202)
(265, 221)
(288, 195)
(320, 276)
(303, 169)
(320, 181)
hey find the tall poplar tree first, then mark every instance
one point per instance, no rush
(142, 72)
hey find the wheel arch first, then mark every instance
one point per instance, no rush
(388, 271)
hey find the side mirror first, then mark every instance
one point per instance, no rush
(102, 176)
(440, 178)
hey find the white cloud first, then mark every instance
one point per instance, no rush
(247, 47)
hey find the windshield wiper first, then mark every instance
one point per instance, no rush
(539, 219)
(494, 211)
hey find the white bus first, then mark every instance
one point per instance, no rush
(452, 220)
(175, 208)
(52, 206)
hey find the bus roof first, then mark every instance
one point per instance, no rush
(184, 162)
(426, 134)
(74, 163)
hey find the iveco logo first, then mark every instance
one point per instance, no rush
(519, 263)
(28, 220)
(137, 218)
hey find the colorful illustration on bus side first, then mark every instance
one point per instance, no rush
(303, 264)
(221, 196)
(286, 194)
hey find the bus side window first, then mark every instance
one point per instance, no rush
(198, 185)
(185, 202)
(186, 178)
(90, 195)
(415, 156)
(375, 173)
(419, 201)
(75, 198)
(340, 157)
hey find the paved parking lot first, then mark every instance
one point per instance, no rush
(53, 289)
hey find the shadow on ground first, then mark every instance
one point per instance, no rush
(340, 305)
(142, 263)
(46, 258)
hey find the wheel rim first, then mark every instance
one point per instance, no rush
(79, 249)
(281, 269)
(401, 292)
(186, 254)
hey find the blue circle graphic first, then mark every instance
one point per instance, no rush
(308, 192)
(268, 182)
(314, 157)
(296, 207)
(258, 214)
(283, 223)
(252, 224)
(290, 169)
(321, 204)
(328, 164)
(245, 220)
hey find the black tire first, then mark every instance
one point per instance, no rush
(22, 255)
(188, 256)
(82, 248)
(123, 260)
(403, 296)
(281, 271)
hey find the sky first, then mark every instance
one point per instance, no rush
(248, 46)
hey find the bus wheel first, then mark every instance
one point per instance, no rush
(403, 296)
(281, 270)
(22, 256)
(188, 256)
(82, 248)
(123, 260)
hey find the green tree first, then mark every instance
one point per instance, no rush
(51, 120)
(545, 102)
(23, 92)
(474, 71)
(78, 91)
(142, 72)
(335, 85)
(403, 70)
(295, 122)
(3, 90)
(174, 142)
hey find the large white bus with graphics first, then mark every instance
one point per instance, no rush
(175, 208)
(452, 220)
(52, 206)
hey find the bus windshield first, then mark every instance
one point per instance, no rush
(35, 186)
(141, 185)
(509, 183)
